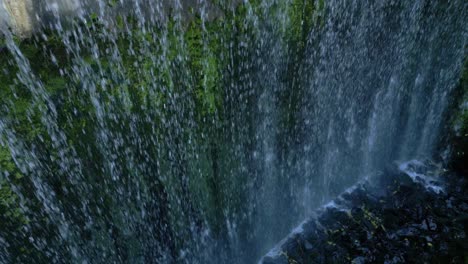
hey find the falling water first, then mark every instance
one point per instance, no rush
(201, 132)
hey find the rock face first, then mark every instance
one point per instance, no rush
(25, 16)
(458, 136)
(18, 15)
(414, 213)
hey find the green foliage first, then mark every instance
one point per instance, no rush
(153, 70)
(301, 15)
(11, 216)
(204, 64)
(459, 140)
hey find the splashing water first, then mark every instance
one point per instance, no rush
(203, 131)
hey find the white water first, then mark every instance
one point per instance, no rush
(374, 86)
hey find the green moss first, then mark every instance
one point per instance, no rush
(459, 140)
(192, 61)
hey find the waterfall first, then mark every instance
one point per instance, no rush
(379, 82)
(203, 131)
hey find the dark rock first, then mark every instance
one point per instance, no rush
(398, 219)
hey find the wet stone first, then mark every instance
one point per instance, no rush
(410, 223)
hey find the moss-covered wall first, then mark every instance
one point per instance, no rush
(458, 136)
(200, 95)
(196, 88)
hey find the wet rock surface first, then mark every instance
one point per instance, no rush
(412, 213)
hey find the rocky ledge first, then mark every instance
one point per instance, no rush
(413, 212)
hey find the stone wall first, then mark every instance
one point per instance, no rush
(24, 16)
(17, 15)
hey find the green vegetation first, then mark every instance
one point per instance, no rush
(128, 133)
(459, 137)
(177, 80)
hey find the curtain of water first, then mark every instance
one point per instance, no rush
(202, 131)
(378, 83)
